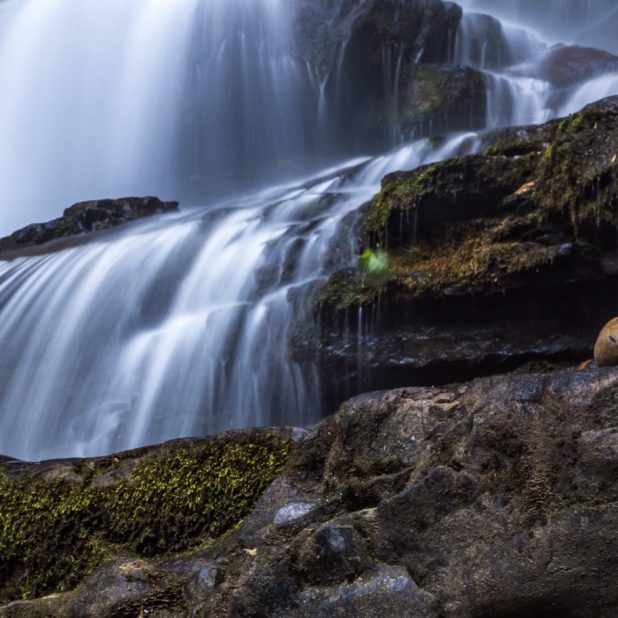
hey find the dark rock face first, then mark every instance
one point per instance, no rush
(86, 217)
(62, 519)
(566, 66)
(434, 99)
(487, 44)
(496, 498)
(363, 49)
(495, 260)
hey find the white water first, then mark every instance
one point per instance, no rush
(201, 344)
(199, 322)
(89, 104)
(563, 21)
(506, 50)
(102, 98)
(593, 90)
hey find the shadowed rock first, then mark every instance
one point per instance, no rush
(496, 498)
(86, 217)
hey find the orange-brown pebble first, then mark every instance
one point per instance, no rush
(606, 347)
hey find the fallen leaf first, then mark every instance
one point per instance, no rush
(526, 188)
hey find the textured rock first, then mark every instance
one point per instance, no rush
(437, 99)
(60, 520)
(566, 66)
(495, 260)
(357, 50)
(495, 498)
(86, 217)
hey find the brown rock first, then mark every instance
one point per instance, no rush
(606, 346)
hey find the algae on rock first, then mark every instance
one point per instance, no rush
(60, 522)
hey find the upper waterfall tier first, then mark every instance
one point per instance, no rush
(194, 99)
(587, 22)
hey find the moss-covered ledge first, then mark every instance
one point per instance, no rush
(60, 520)
(538, 206)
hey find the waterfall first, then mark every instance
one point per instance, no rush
(593, 90)
(90, 101)
(201, 321)
(206, 340)
(250, 95)
(564, 21)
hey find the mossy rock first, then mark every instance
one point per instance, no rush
(60, 520)
(450, 98)
(538, 200)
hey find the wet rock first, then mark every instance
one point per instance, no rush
(481, 42)
(566, 66)
(112, 589)
(292, 512)
(386, 591)
(202, 584)
(332, 554)
(506, 211)
(492, 498)
(494, 260)
(86, 217)
(438, 100)
(62, 519)
(375, 46)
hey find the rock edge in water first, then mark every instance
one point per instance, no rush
(497, 497)
(86, 217)
(495, 260)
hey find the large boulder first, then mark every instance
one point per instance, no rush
(86, 217)
(494, 498)
(566, 66)
(494, 260)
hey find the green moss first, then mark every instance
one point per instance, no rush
(542, 186)
(345, 289)
(52, 533)
(493, 150)
(572, 123)
(582, 189)
(399, 191)
(472, 258)
(433, 84)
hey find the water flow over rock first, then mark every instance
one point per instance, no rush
(203, 321)
(179, 327)
(90, 102)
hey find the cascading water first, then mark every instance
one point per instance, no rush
(199, 322)
(202, 345)
(90, 103)
(564, 21)
(249, 93)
